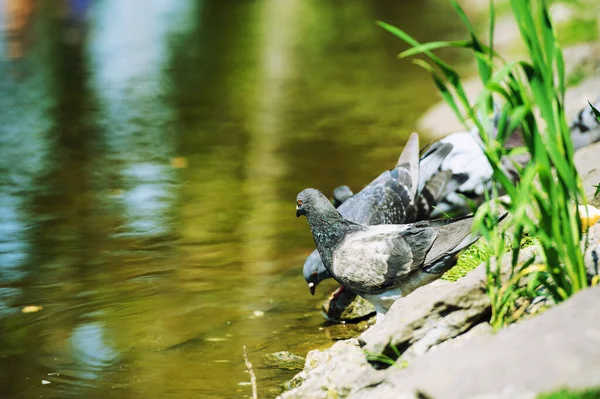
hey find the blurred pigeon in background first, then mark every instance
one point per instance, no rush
(467, 158)
(341, 194)
(385, 262)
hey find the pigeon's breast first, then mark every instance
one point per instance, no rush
(360, 263)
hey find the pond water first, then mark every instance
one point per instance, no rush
(150, 155)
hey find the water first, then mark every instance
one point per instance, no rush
(150, 156)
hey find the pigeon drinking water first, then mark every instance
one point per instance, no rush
(384, 262)
(401, 195)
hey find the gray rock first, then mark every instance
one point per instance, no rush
(284, 360)
(557, 349)
(324, 370)
(480, 330)
(586, 161)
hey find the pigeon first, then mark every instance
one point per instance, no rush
(389, 200)
(467, 158)
(383, 263)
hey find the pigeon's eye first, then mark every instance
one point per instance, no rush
(299, 202)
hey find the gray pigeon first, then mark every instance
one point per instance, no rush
(467, 158)
(385, 262)
(401, 195)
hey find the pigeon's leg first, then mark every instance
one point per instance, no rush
(337, 293)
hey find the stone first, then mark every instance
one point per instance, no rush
(588, 166)
(480, 330)
(284, 360)
(558, 349)
(324, 370)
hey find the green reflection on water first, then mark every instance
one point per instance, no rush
(149, 170)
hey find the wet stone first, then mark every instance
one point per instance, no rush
(284, 360)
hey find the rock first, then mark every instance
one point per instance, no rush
(284, 360)
(480, 330)
(595, 202)
(558, 349)
(344, 361)
(588, 166)
(347, 307)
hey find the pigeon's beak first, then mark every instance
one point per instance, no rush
(312, 287)
(299, 211)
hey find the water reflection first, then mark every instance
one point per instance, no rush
(90, 350)
(150, 154)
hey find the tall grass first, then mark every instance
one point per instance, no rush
(531, 93)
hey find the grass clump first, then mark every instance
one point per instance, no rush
(474, 256)
(593, 393)
(529, 96)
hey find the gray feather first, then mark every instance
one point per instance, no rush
(409, 159)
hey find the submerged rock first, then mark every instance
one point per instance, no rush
(284, 360)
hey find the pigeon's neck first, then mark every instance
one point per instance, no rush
(328, 230)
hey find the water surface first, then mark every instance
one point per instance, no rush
(150, 155)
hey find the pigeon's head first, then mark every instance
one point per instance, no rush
(341, 194)
(309, 200)
(314, 271)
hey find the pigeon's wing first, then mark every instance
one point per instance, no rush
(467, 158)
(409, 160)
(387, 200)
(372, 260)
(431, 162)
(451, 238)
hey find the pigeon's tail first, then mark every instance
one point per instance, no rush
(431, 162)
(436, 189)
(452, 237)
(409, 160)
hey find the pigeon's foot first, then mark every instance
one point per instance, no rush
(337, 293)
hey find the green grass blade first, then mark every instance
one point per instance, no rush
(444, 91)
(423, 48)
(595, 111)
